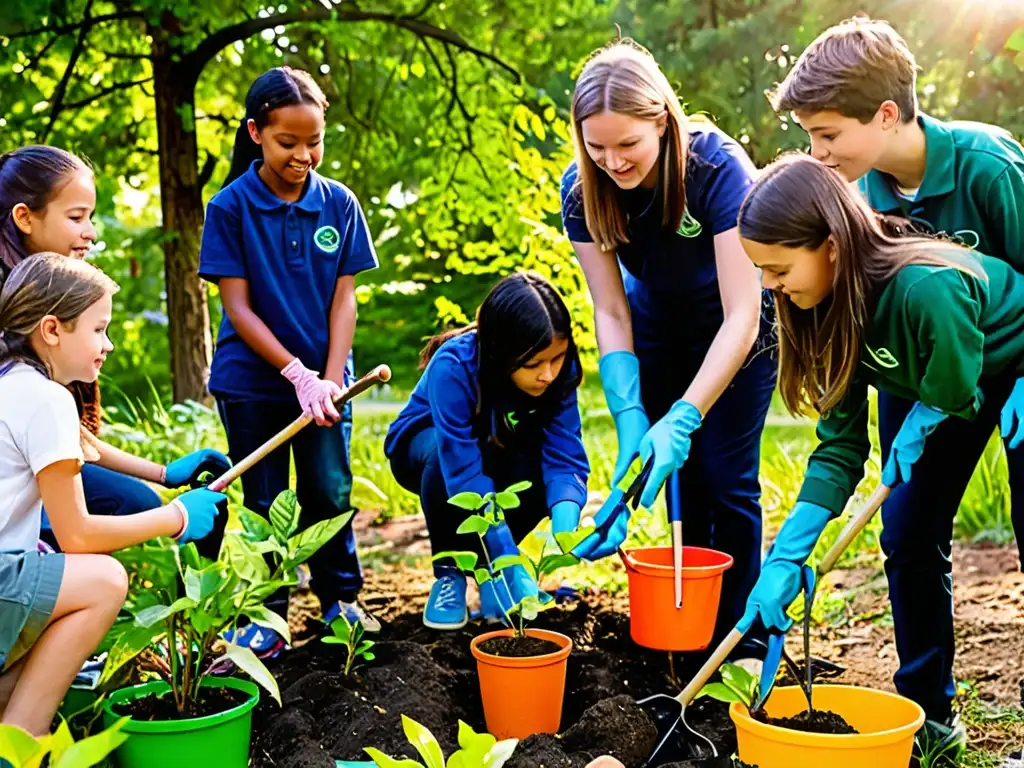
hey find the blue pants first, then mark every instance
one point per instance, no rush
(323, 486)
(717, 491)
(417, 468)
(917, 539)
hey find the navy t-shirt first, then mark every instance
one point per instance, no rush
(292, 254)
(677, 264)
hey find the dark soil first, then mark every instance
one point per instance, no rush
(816, 721)
(212, 701)
(518, 647)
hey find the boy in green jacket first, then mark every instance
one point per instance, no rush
(854, 91)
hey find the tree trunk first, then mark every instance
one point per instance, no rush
(181, 203)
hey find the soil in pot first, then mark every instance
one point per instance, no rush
(816, 721)
(211, 701)
(519, 647)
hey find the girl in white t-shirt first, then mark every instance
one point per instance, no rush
(56, 608)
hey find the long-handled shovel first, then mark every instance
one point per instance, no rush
(378, 375)
(669, 712)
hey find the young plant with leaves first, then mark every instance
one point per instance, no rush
(180, 616)
(476, 750)
(351, 636)
(22, 750)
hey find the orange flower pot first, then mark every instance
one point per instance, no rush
(654, 620)
(522, 696)
(886, 724)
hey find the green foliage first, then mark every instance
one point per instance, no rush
(476, 750)
(352, 638)
(59, 749)
(737, 685)
(180, 613)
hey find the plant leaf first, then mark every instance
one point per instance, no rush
(18, 745)
(1016, 41)
(507, 561)
(383, 761)
(262, 615)
(507, 500)
(306, 544)
(500, 753)
(464, 561)
(467, 500)
(284, 515)
(255, 527)
(720, 692)
(149, 617)
(567, 541)
(473, 524)
(424, 742)
(739, 680)
(552, 563)
(94, 749)
(130, 644)
(245, 561)
(248, 662)
(482, 575)
(199, 585)
(522, 485)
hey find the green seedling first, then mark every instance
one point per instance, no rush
(351, 636)
(476, 750)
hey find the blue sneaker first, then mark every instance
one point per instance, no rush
(353, 613)
(446, 606)
(263, 641)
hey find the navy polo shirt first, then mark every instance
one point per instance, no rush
(678, 264)
(292, 254)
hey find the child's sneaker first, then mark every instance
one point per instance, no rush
(446, 606)
(353, 613)
(263, 641)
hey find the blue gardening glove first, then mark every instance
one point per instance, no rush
(620, 378)
(1011, 422)
(201, 509)
(565, 517)
(611, 525)
(781, 575)
(187, 469)
(499, 542)
(909, 443)
(669, 441)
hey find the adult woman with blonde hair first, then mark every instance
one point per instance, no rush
(650, 207)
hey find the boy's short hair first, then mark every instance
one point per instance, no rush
(852, 68)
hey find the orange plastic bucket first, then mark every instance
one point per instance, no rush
(654, 620)
(886, 724)
(522, 696)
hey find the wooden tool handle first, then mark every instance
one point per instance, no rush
(710, 666)
(378, 375)
(853, 529)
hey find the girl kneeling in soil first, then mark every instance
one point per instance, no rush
(56, 608)
(47, 199)
(496, 405)
(285, 244)
(918, 318)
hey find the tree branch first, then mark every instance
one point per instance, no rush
(206, 172)
(194, 61)
(88, 22)
(57, 97)
(106, 92)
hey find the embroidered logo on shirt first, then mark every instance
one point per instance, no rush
(689, 226)
(882, 356)
(327, 239)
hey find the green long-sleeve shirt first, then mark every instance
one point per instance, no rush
(936, 335)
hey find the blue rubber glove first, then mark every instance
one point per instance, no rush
(781, 575)
(909, 443)
(201, 509)
(1011, 422)
(620, 378)
(499, 542)
(611, 528)
(187, 469)
(565, 517)
(669, 441)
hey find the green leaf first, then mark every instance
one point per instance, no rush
(284, 515)
(199, 585)
(306, 544)
(341, 628)
(246, 562)
(631, 474)
(383, 761)
(152, 616)
(740, 680)
(473, 524)
(567, 542)
(482, 575)
(130, 644)
(424, 742)
(507, 561)
(464, 561)
(17, 745)
(94, 749)
(365, 646)
(522, 485)
(60, 740)
(255, 527)
(264, 616)
(1016, 41)
(721, 692)
(248, 662)
(507, 500)
(467, 500)
(333, 640)
(552, 563)
(500, 753)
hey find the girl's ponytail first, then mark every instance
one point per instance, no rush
(434, 342)
(245, 152)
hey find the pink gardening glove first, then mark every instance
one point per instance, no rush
(316, 395)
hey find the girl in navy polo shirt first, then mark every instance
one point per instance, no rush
(496, 405)
(650, 207)
(284, 245)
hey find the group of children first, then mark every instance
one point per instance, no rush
(711, 282)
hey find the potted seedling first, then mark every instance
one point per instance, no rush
(187, 714)
(518, 664)
(476, 750)
(350, 636)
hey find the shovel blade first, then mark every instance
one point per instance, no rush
(676, 742)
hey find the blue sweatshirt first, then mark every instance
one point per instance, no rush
(446, 398)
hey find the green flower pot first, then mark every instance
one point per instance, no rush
(214, 741)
